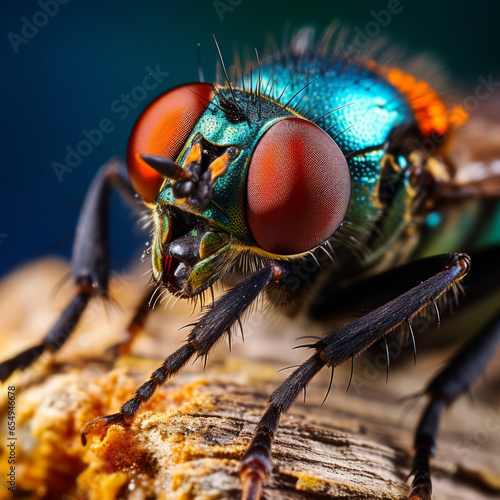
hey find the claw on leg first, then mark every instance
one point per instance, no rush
(252, 483)
(255, 467)
(421, 487)
(204, 335)
(99, 426)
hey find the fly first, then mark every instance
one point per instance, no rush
(306, 156)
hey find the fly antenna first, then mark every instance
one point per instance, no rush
(200, 68)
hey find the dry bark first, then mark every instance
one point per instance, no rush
(186, 442)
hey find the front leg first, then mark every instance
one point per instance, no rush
(219, 319)
(337, 347)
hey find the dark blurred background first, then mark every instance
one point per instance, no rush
(69, 74)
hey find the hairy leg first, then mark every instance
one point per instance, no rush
(89, 262)
(334, 349)
(444, 388)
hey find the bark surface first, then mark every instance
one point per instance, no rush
(186, 442)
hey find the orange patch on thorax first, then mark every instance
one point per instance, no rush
(430, 112)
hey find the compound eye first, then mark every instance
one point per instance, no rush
(161, 130)
(299, 188)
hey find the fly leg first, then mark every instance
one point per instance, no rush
(56, 337)
(221, 316)
(452, 381)
(337, 347)
(89, 261)
(134, 327)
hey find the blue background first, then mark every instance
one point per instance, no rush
(67, 76)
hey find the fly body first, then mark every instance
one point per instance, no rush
(306, 156)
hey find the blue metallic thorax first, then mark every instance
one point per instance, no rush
(367, 109)
(361, 109)
(373, 107)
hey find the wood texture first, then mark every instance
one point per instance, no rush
(186, 442)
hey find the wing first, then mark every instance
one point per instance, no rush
(472, 155)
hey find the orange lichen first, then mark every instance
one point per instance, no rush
(188, 393)
(118, 449)
(111, 468)
(309, 483)
(53, 461)
(102, 485)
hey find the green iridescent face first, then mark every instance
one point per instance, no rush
(253, 177)
(228, 204)
(211, 232)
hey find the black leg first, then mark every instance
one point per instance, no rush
(452, 381)
(89, 261)
(52, 341)
(136, 324)
(223, 313)
(336, 348)
(334, 299)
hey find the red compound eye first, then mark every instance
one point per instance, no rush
(298, 189)
(161, 130)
